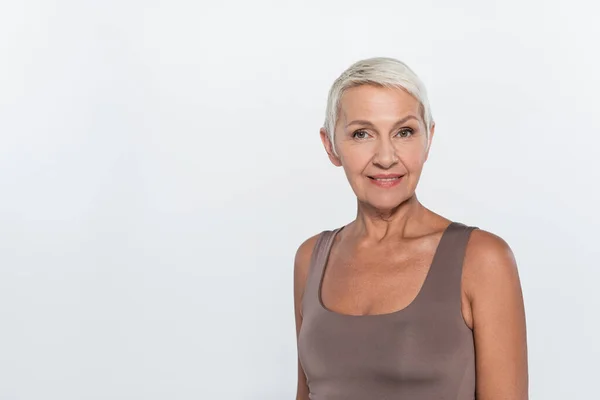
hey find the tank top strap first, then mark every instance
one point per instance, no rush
(443, 282)
(317, 264)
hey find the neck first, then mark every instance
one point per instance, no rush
(375, 224)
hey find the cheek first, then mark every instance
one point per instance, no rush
(356, 159)
(414, 162)
(412, 157)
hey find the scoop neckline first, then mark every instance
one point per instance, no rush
(382, 315)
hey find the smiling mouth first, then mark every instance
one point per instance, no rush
(386, 179)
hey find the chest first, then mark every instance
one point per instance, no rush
(374, 281)
(416, 354)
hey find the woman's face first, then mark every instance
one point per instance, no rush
(381, 143)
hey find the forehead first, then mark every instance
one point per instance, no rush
(369, 101)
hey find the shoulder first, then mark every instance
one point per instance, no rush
(497, 317)
(302, 264)
(305, 250)
(489, 264)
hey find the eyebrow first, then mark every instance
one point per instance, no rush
(370, 124)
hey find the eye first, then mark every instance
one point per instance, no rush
(360, 134)
(405, 132)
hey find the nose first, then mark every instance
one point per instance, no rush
(385, 155)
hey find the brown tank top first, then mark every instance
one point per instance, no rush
(423, 352)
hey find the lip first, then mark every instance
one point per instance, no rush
(385, 176)
(386, 180)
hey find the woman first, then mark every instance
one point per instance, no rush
(401, 303)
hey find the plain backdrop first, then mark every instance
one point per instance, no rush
(160, 164)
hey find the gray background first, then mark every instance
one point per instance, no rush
(160, 164)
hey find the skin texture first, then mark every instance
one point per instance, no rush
(379, 261)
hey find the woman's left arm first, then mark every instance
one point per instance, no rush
(493, 288)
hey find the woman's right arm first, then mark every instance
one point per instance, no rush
(301, 268)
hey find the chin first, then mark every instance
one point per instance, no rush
(386, 204)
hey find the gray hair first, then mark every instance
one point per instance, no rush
(379, 71)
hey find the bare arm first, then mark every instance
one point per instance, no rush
(498, 313)
(301, 267)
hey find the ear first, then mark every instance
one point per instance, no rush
(429, 140)
(335, 160)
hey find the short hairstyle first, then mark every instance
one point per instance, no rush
(378, 71)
